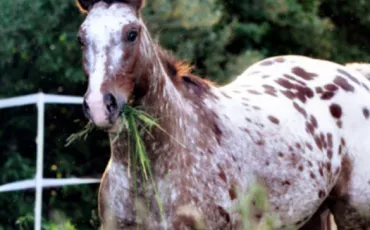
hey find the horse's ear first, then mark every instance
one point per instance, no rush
(137, 4)
(85, 5)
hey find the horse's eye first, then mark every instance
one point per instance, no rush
(132, 35)
(79, 41)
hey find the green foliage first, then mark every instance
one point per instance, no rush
(351, 29)
(252, 204)
(59, 222)
(219, 37)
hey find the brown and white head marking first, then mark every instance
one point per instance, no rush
(111, 38)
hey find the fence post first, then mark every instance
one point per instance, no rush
(39, 159)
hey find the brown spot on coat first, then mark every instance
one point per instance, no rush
(301, 96)
(305, 91)
(339, 124)
(222, 175)
(227, 96)
(309, 146)
(218, 133)
(260, 142)
(294, 79)
(322, 194)
(232, 192)
(365, 87)
(309, 92)
(327, 95)
(303, 73)
(328, 166)
(301, 168)
(267, 86)
(313, 121)
(331, 87)
(267, 63)
(319, 90)
(349, 76)
(321, 171)
(343, 83)
(252, 91)
(323, 140)
(340, 150)
(335, 110)
(300, 109)
(329, 136)
(285, 83)
(289, 94)
(318, 142)
(274, 120)
(270, 90)
(365, 111)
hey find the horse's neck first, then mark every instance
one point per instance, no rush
(181, 120)
(168, 136)
(164, 103)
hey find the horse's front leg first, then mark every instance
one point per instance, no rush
(116, 199)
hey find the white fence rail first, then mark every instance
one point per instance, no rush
(39, 182)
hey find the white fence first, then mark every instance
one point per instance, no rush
(39, 182)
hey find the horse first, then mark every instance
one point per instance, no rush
(295, 125)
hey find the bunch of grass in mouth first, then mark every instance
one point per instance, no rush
(128, 122)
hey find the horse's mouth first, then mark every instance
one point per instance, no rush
(116, 125)
(114, 122)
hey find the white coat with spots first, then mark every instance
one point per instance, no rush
(298, 126)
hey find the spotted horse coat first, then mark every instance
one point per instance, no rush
(306, 136)
(313, 104)
(296, 125)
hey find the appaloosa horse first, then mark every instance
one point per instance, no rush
(296, 125)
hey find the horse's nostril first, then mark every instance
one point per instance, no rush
(110, 102)
(86, 109)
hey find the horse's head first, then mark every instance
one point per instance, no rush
(110, 37)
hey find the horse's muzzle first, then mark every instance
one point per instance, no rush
(103, 113)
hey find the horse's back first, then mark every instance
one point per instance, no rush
(311, 125)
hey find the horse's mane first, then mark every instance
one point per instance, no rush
(181, 74)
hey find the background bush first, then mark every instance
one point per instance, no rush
(38, 52)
